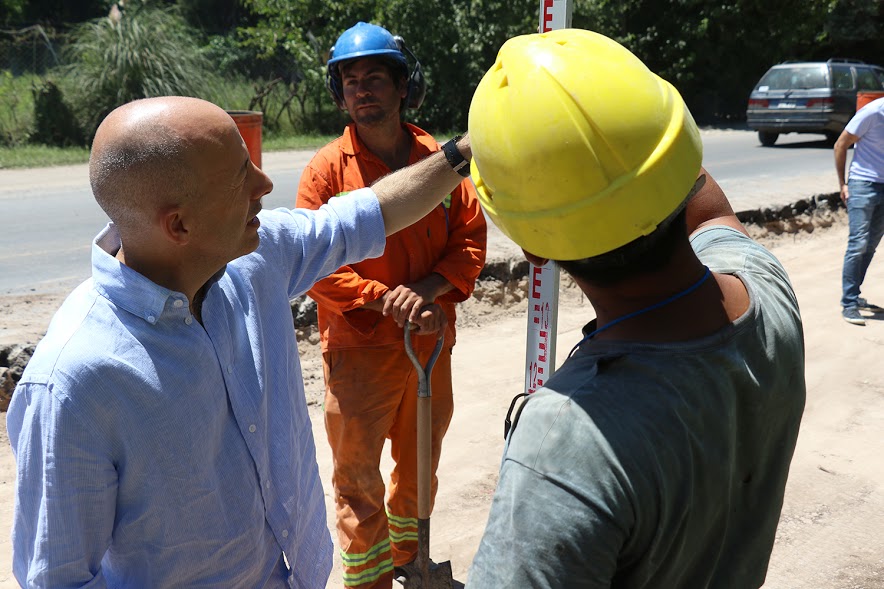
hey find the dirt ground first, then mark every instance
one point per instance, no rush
(830, 533)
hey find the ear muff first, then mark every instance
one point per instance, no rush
(333, 82)
(417, 83)
(416, 89)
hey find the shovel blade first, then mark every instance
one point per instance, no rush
(439, 577)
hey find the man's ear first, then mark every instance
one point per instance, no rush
(537, 261)
(173, 225)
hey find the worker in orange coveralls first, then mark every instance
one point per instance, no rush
(371, 385)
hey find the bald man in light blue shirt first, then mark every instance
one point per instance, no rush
(160, 431)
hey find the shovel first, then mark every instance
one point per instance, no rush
(422, 573)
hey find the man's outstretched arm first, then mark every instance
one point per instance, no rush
(408, 194)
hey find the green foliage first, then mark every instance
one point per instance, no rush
(270, 55)
(856, 27)
(232, 92)
(54, 123)
(456, 43)
(55, 12)
(454, 40)
(213, 16)
(149, 51)
(12, 11)
(286, 48)
(16, 108)
(713, 52)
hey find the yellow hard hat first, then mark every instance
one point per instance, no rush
(578, 148)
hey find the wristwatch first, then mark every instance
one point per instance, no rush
(458, 162)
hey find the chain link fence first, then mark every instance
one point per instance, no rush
(27, 54)
(30, 50)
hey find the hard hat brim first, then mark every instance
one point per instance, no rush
(394, 53)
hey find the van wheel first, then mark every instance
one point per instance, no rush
(767, 138)
(831, 138)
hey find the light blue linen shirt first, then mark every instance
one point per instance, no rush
(156, 452)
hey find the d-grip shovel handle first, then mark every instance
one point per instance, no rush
(423, 372)
(424, 420)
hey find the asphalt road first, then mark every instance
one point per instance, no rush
(50, 216)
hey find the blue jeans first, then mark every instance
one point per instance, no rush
(865, 213)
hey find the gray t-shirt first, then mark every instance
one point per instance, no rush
(657, 465)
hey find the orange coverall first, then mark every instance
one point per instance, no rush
(371, 385)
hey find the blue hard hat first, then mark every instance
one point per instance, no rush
(364, 40)
(368, 40)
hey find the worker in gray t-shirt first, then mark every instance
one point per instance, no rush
(657, 455)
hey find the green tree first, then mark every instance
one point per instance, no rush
(456, 42)
(214, 17)
(856, 28)
(12, 11)
(147, 51)
(286, 49)
(53, 12)
(712, 51)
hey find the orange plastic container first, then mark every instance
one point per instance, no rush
(863, 98)
(249, 123)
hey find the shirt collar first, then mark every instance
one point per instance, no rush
(122, 285)
(351, 145)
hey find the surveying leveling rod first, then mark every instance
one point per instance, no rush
(543, 281)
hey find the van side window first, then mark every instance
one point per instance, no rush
(866, 80)
(842, 79)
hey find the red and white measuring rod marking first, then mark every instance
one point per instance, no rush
(555, 14)
(543, 281)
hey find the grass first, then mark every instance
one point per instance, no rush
(16, 107)
(285, 142)
(36, 156)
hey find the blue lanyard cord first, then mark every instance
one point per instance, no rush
(662, 303)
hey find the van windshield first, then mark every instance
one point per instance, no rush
(794, 78)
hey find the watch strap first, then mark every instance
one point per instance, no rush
(458, 162)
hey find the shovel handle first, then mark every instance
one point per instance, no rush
(424, 421)
(423, 372)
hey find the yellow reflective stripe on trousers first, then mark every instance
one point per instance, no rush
(355, 560)
(368, 575)
(402, 522)
(402, 536)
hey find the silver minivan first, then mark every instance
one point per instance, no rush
(809, 97)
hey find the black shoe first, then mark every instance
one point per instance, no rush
(401, 573)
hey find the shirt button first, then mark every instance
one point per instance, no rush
(285, 533)
(267, 484)
(252, 428)
(178, 303)
(188, 319)
(229, 369)
(151, 319)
